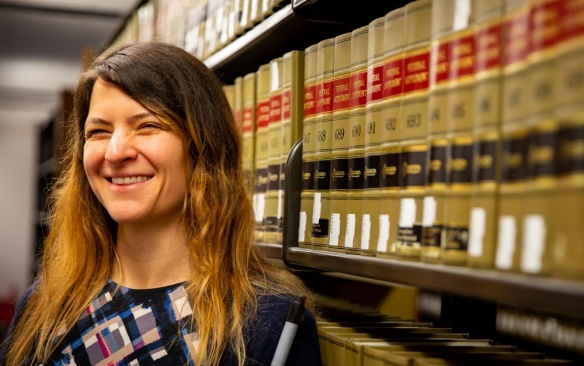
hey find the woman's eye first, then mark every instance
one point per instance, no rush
(149, 126)
(95, 133)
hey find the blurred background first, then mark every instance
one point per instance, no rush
(42, 43)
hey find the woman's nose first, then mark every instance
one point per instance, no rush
(120, 148)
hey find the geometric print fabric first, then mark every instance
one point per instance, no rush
(123, 326)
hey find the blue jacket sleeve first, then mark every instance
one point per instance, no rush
(264, 333)
(17, 314)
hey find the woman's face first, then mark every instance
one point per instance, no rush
(134, 163)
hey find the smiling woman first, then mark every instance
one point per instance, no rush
(150, 256)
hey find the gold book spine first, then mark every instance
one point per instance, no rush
(569, 197)
(460, 137)
(434, 199)
(539, 217)
(357, 102)
(262, 149)
(249, 130)
(413, 128)
(487, 134)
(514, 133)
(392, 90)
(373, 133)
(292, 109)
(308, 147)
(324, 111)
(273, 198)
(340, 143)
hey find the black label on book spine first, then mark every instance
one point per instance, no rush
(273, 177)
(542, 157)
(437, 164)
(261, 180)
(356, 168)
(390, 171)
(460, 163)
(307, 177)
(271, 224)
(571, 150)
(320, 230)
(372, 169)
(410, 236)
(485, 158)
(339, 174)
(413, 172)
(513, 167)
(456, 238)
(432, 236)
(322, 174)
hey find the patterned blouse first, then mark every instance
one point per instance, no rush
(125, 326)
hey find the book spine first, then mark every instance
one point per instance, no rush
(340, 143)
(261, 148)
(392, 90)
(434, 199)
(373, 133)
(357, 102)
(292, 109)
(249, 130)
(308, 146)
(273, 202)
(538, 216)
(514, 133)
(460, 136)
(569, 199)
(413, 127)
(322, 182)
(487, 134)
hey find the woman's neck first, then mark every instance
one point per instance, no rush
(151, 257)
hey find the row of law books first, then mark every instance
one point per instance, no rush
(201, 27)
(443, 131)
(352, 335)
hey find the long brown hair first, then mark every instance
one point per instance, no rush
(218, 216)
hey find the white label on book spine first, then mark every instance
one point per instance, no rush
(407, 212)
(461, 14)
(335, 229)
(301, 226)
(478, 217)
(316, 206)
(350, 233)
(429, 213)
(383, 233)
(534, 233)
(365, 231)
(505, 242)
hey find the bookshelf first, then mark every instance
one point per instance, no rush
(452, 287)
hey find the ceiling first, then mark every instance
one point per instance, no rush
(41, 48)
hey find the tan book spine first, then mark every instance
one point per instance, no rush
(413, 127)
(487, 134)
(514, 133)
(292, 109)
(570, 112)
(249, 130)
(539, 212)
(340, 143)
(460, 136)
(356, 131)
(393, 72)
(238, 101)
(308, 147)
(273, 202)
(324, 113)
(373, 139)
(434, 199)
(261, 149)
